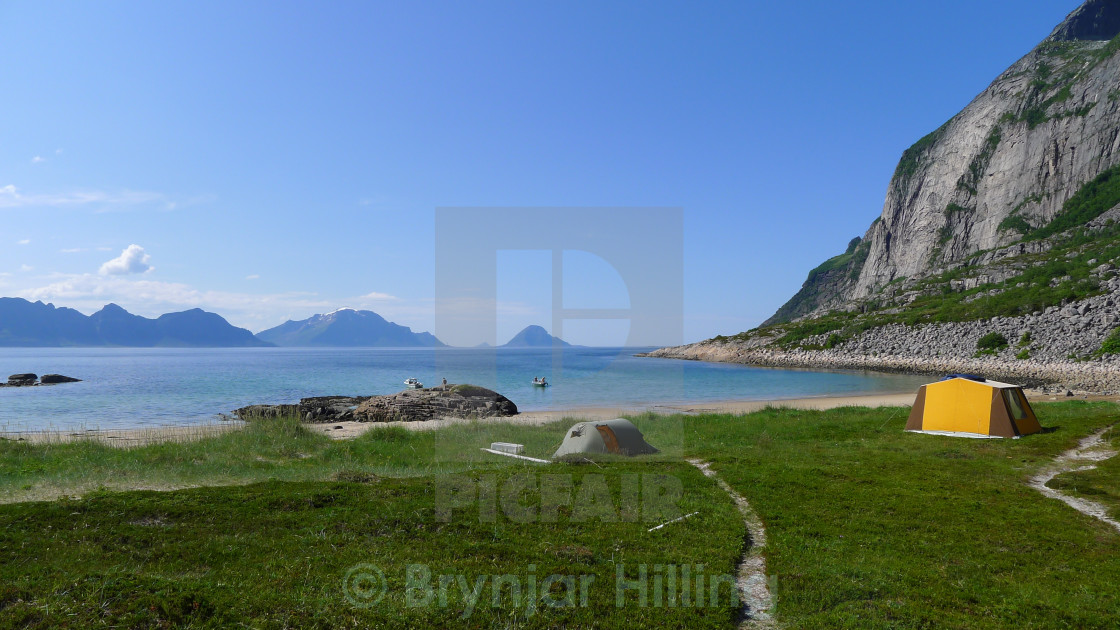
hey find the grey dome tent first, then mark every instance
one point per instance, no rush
(616, 436)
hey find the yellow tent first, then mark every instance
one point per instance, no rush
(972, 408)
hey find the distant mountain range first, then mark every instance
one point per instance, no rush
(35, 324)
(535, 337)
(28, 324)
(348, 328)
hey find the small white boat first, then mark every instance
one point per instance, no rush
(413, 383)
(540, 382)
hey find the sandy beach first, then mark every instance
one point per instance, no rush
(343, 430)
(346, 430)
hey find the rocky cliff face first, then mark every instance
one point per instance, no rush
(1003, 167)
(1094, 20)
(998, 248)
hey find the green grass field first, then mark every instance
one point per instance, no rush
(868, 527)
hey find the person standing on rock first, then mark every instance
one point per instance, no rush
(445, 383)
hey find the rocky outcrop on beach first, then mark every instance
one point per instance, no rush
(32, 380)
(450, 401)
(453, 401)
(316, 409)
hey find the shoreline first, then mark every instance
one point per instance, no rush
(1088, 377)
(535, 418)
(148, 435)
(344, 430)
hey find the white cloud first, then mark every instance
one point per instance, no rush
(26, 268)
(253, 276)
(132, 260)
(379, 296)
(25, 241)
(58, 151)
(12, 197)
(37, 159)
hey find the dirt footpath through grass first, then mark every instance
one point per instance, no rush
(753, 581)
(1091, 449)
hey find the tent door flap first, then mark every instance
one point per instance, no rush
(609, 438)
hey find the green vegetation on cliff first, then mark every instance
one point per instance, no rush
(848, 260)
(1047, 279)
(840, 270)
(1089, 202)
(913, 158)
(970, 180)
(1062, 274)
(1016, 223)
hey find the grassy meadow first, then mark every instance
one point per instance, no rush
(278, 526)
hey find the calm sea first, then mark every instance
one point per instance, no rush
(158, 387)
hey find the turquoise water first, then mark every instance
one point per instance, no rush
(130, 387)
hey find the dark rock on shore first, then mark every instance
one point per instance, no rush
(255, 412)
(317, 409)
(52, 379)
(450, 401)
(29, 380)
(329, 408)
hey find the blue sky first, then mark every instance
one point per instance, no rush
(273, 160)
